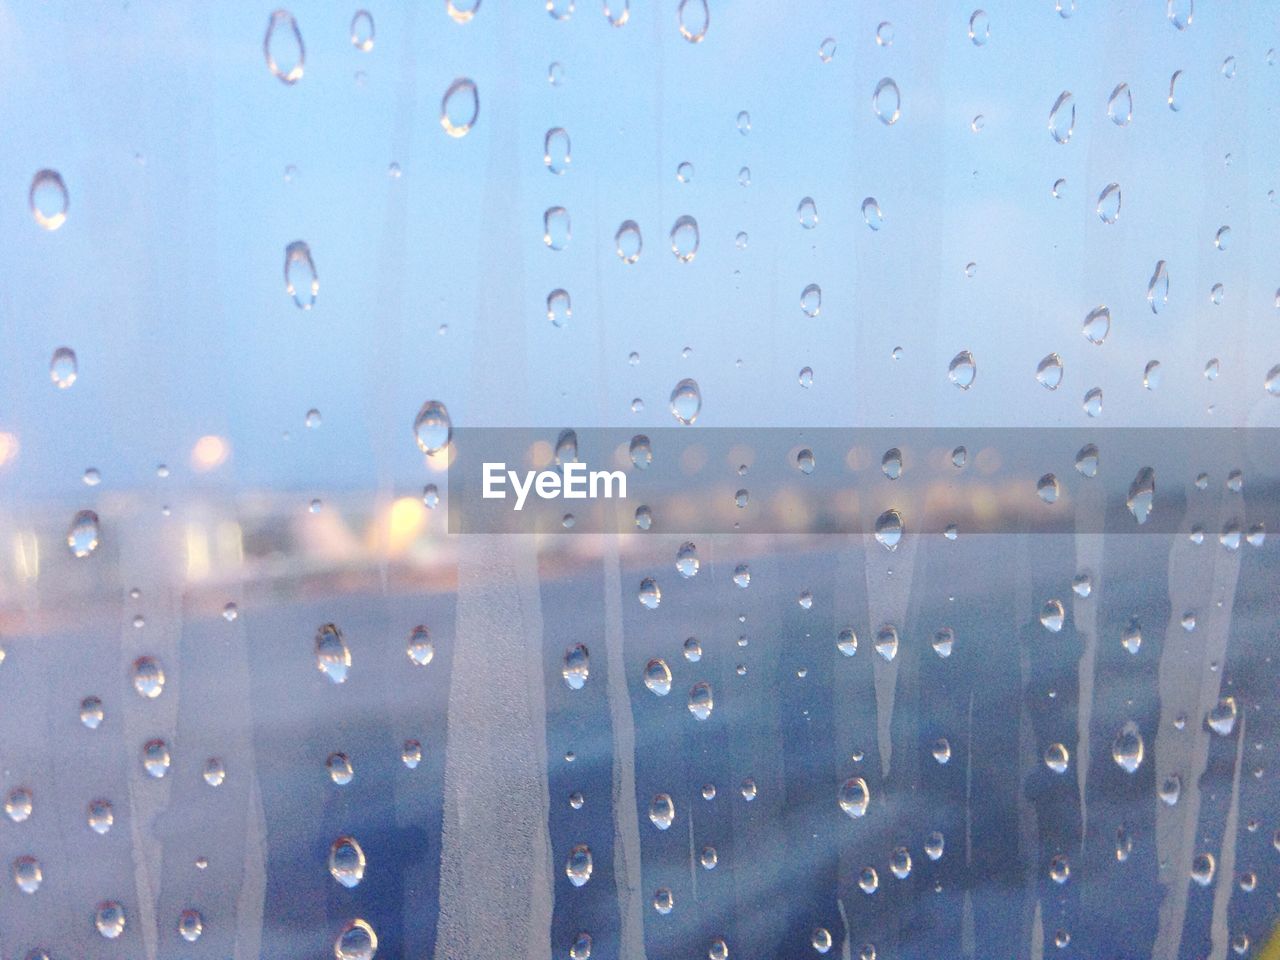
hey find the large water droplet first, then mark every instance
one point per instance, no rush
(1142, 494)
(333, 658)
(155, 758)
(459, 107)
(420, 649)
(684, 238)
(556, 150)
(811, 300)
(346, 861)
(854, 797)
(357, 941)
(1049, 372)
(578, 866)
(82, 536)
(100, 816)
(1097, 325)
(1120, 105)
(886, 101)
(888, 531)
(577, 667)
(662, 811)
(282, 47)
(1127, 750)
(1109, 203)
(557, 229)
(962, 370)
(979, 28)
(657, 675)
(694, 17)
(148, 677)
(627, 241)
(701, 701)
(1062, 117)
(301, 281)
(686, 401)
(362, 31)
(109, 919)
(1158, 287)
(886, 642)
(432, 427)
(48, 199)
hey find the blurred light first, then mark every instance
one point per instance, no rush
(197, 544)
(209, 452)
(692, 459)
(540, 454)
(404, 520)
(439, 461)
(8, 447)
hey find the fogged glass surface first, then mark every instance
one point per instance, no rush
(264, 270)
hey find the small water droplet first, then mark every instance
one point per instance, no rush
(701, 702)
(577, 667)
(100, 816)
(148, 677)
(1097, 325)
(811, 300)
(48, 199)
(1222, 239)
(886, 642)
(1142, 493)
(109, 919)
(301, 282)
(827, 49)
(346, 861)
(91, 713)
(1092, 402)
(190, 925)
(557, 150)
(979, 28)
(871, 213)
(1052, 616)
(578, 866)
(357, 941)
(155, 758)
(432, 427)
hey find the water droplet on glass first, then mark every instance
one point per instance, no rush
(1180, 13)
(301, 282)
(827, 49)
(1049, 372)
(1142, 494)
(148, 677)
(1120, 105)
(340, 769)
(333, 658)
(811, 300)
(657, 675)
(627, 241)
(934, 844)
(684, 238)
(556, 150)
(82, 536)
(884, 34)
(282, 47)
(48, 199)
(942, 750)
(807, 211)
(886, 642)
(686, 401)
(650, 594)
(432, 428)
(1127, 750)
(854, 797)
(577, 667)
(91, 713)
(1092, 403)
(109, 919)
(357, 941)
(662, 811)
(701, 701)
(1052, 616)
(1109, 203)
(420, 649)
(1056, 758)
(459, 107)
(1203, 867)
(346, 861)
(100, 816)
(1222, 239)
(1228, 68)
(155, 758)
(557, 229)
(190, 925)
(962, 370)
(1097, 325)
(578, 866)
(1170, 790)
(1062, 117)
(888, 530)
(1222, 718)
(62, 368)
(1047, 488)
(462, 11)
(18, 804)
(1172, 99)
(886, 100)
(872, 214)
(663, 901)
(979, 28)
(694, 17)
